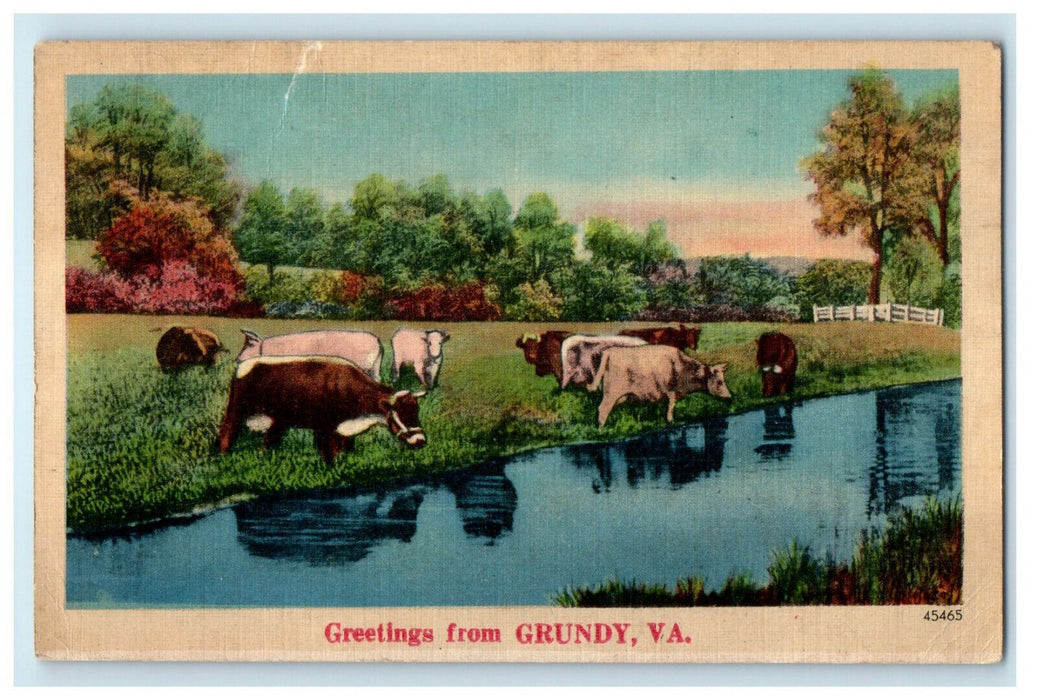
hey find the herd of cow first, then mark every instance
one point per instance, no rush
(329, 381)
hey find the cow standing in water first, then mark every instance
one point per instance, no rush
(544, 352)
(422, 350)
(653, 373)
(776, 358)
(331, 396)
(359, 347)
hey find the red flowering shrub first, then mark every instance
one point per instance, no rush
(155, 232)
(177, 288)
(438, 303)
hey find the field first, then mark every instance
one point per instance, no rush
(140, 441)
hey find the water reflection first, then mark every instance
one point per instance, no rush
(911, 428)
(779, 432)
(677, 455)
(324, 530)
(486, 500)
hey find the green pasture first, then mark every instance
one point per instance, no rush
(140, 440)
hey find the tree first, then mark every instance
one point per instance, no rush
(591, 291)
(831, 282)
(130, 143)
(543, 244)
(928, 191)
(261, 234)
(743, 282)
(868, 145)
(915, 272)
(373, 197)
(616, 246)
(304, 224)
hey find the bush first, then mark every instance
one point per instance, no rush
(715, 313)
(831, 282)
(536, 302)
(177, 288)
(439, 303)
(307, 309)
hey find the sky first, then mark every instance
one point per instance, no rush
(713, 153)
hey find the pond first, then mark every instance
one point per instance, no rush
(710, 499)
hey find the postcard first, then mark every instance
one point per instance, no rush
(638, 352)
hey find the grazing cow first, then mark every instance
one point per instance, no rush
(679, 338)
(544, 352)
(776, 358)
(581, 355)
(329, 395)
(422, 350)
(653, 373)
(359, 347)
(181, 346)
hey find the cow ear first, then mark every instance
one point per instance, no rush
(720, 368)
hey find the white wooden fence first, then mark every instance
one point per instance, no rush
(894, 313)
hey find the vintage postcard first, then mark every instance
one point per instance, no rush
(532, 352)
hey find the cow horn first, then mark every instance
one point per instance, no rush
(419, 394)
(398, 395)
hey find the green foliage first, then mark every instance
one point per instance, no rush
(284, 286)
(831, 282)
(743, 282)
(615, 246)
(797, 578)
(914, 273)
(591, 291)
(536, 302)
(949, 296)
(131, 141)
(260, 236)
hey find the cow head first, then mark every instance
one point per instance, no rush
(435, 342)
(401, 417)
(528, 344)
(690, 336)
(715, 383)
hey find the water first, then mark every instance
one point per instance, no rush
(711, 499)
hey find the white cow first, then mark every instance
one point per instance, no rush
(422, 350)
(360, 347)
(581, 355)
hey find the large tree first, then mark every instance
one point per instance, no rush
(261, 234)
(868, 145)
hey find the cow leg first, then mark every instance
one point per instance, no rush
(671, 401)
(342, 443)
(231, 422)
(326, 444)
(272, 436)
(395, 370)
(605, 408)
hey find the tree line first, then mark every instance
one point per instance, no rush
(141, 180)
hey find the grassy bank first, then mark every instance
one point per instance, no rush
(917, 559)
(140, 441)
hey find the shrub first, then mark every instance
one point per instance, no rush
(536, 302)
(95, 292)
(835, 282)
(307, 309)
(440, 303)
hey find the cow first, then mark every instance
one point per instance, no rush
(181, 346)
(679, 338)
(328, 395)
(422, 350)
(362, 348)
(653, 373)
(776, 358)
(544, 352)
(581, 355)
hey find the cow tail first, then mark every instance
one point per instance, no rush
(599, 376)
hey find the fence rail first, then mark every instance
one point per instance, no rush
(894, 313)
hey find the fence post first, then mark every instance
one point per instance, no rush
(871, 313)
(815, 313)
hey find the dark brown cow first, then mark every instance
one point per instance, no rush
(181, 346)
(544, 352)
(331, 396)
(679, 338)
(776, 358)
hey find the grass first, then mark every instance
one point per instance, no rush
(916, 559)
(140, 440)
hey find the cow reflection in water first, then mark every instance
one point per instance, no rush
(681, 455)
(486, 500)
(778, 433)
(326, 530)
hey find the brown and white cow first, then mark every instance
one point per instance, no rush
(653, 373)
(181, 346)
(544, 352)
(330, 396)
(581, 355)
(680, 338)
(776, 358)
(360, 347)
(422, 350)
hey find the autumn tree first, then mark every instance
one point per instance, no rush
(869, 142)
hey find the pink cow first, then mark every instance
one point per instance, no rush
(422, 350)
(359, 347)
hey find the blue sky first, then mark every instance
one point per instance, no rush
(585, 138)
